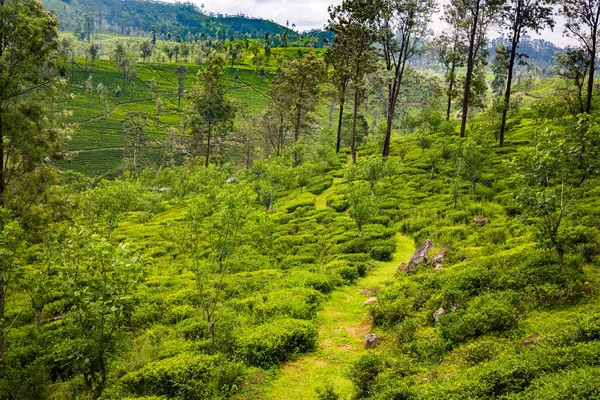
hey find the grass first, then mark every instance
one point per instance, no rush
(343, 322)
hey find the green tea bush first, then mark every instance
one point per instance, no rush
(486, 314)
(390, 313)
(382, 250)
(363, 374)
(338, 203)
(583, 383)
(277, 341)
(301, 200)
(187, 377)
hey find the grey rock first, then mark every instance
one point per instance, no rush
(371, 300)
(420, 255)
(371, 341)
(437, 314)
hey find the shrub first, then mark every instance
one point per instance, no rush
(389, 313)
(488, 313)
(272, 343)
(382, 250)
(363, 374)
(187, 376)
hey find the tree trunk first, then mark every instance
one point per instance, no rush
(513, 54)
(2, 182)
(450, 88)
(207, 148)
(38, 316)
(561, 256)
(354, 112)
(338, 143)
(588, 104)
(298, 118)
(211, 331)
(470, 67)
(2, 325)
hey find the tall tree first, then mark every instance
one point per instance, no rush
(449, 49)
(211, 112)
(352, 56)
(583, 23)
(478, 15)
(135, 131)
(181, 72)
(302, 80)
(28, 134)
(400, 26)
(518, 17)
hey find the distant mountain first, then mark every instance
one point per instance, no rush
(175, 20)
(537, 51)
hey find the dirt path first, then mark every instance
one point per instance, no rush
(343, 323)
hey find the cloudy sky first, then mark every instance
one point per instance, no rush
(310, 14)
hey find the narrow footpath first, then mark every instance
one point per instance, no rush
(343, 323)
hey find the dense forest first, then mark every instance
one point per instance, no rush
(204, 207)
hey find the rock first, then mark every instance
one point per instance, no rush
(531, 340)
(371, 341)
(420, 256)
(586, 283)
(437, 314)
(480, 221)
(231, 179)
(439, 257)
(367, 291)
(438, 267)
(371, 300)
(403, 267)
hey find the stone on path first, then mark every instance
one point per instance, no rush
(371, 341)
(371, 300)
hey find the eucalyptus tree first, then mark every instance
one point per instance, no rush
(583, 24)
(450, 51)
(400, 26)
(136, 137)
(477, 17)
(211, 111)
(518, 17)
(181, 73)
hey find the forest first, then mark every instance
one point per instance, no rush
(197, 206)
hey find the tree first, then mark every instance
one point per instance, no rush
(477, 15)
(215, 225)
(159, 107)
(500, 70)
(94, 51)
(362, 204)
(372, 170)
(181, 73)
(276, 120)
(151, 86)
(146, 49)
(302, 81)
(135, 132)
(28, 132)
(211, 112)
(583, 24)
(354, 55)
(99, 280)
(550, 177)
(400, 27)
(168, 50)
(517, 17)
(449, 50)
(88, 25)
(572, 66)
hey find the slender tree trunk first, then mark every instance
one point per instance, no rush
(450, 88)
(2, 182)
(354, 113)
(588, 104)
(331, 110)
(470, 67)
(560, 256)
(38, 316)
(298, 119)
(207, 148)
(338, 143)
(511, 64)
(2, 316)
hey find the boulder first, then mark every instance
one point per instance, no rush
(437, 314)
(480, 221)
(420, 255)
(438, 267)
(371, 341)
(371, 300)
(367, 291)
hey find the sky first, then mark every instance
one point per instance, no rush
(311, 14)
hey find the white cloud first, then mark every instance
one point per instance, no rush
(312, 14)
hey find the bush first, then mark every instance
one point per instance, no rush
(363, 374)
(275, 342)
(389, 313)
(382, 250)
(488, 313)
(186, 377)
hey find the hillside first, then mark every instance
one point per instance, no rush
(135, 17)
